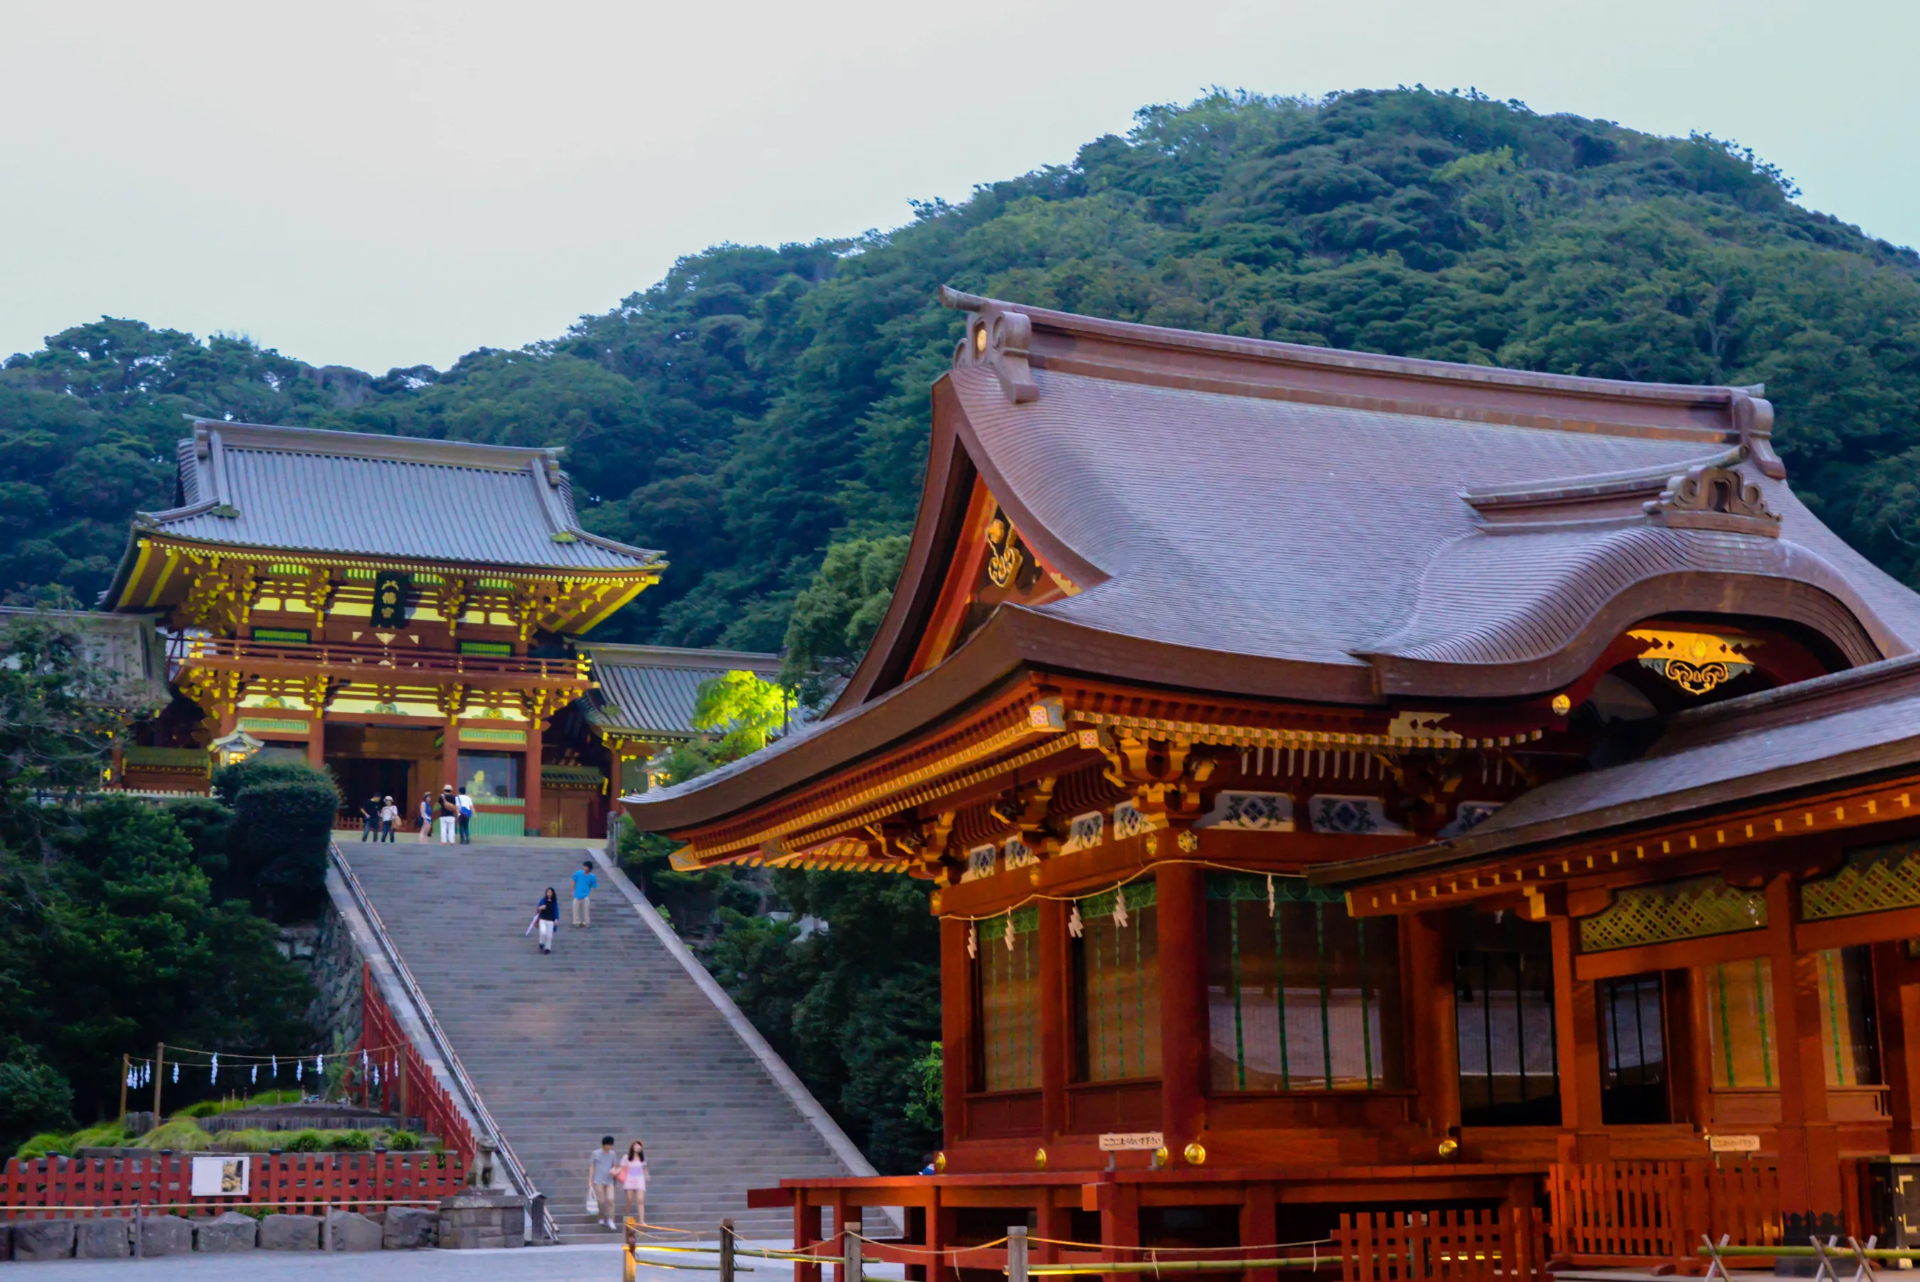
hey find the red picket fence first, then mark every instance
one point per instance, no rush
(1443, 1246)
(1621, 1213)
(61, 1186)
(414, 1091)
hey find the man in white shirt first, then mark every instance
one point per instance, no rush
(600, 1176)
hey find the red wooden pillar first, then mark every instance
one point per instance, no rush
(1054, 1224)
(943, 1228)
(1896, 991)
(1258, 1229)
(806, 1232)
(317, 739)
(449, 759)
(1434, 1034)
(1120, 1224)
(1583, 1137)
(1809, 1141)
(1183, 1002)
(956, 1028)
(533, 776)
(846, 1216)
(1056, 1024)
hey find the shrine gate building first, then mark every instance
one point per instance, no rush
(1351, 781)
(398, 611)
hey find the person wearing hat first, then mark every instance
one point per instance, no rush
(449, 814)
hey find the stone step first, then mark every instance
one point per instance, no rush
(605, 1035)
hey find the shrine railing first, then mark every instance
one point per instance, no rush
(409, 1088)
(49, 1187)
(516, 1174)
(1443, 1246)
(224, 652)
(1622, 1213)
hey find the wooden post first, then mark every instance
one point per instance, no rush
(401, 1055)
(1120, 1222)
(726, 1250)
(1896, 990)
(1016, 1253)
(1257, 1228)
(126, 1068)
(159, 1074)
(1435, 1031)
(850, 1270)
(1808, 1140)
(1056, 1024)
(317, 740)
(1183, 1002)
(1577, 1030)
(956, 1027)
(532, 788)
(806, 1236)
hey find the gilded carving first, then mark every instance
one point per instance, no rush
(1697, 662)
(1004, 553)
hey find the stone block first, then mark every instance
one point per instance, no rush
(480, 1219)
(227, 1231)
(103, 1239)
(165, 1235)
(409, 1228)
(43, 1240)
(352, 1232)
(6, 1243)
(290, 1233)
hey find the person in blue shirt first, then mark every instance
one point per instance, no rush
(583, 883)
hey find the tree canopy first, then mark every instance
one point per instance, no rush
(762, 405)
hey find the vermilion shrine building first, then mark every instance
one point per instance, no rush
(405, 613)
(1394, 783)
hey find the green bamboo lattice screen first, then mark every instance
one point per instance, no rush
(1873, 879)
(1008, 971)
(1117, 978)
(1741, 1030)
(1691, 909)
(1301, 996)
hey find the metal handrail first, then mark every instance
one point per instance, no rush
(503, 1152)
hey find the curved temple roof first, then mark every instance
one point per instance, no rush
(649, 691)
(1275, 520)
(251, 485)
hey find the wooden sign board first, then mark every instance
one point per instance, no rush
(1733, 1143)
(1130, 1141)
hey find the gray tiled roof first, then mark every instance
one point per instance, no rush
(249, 485)
(650, 690)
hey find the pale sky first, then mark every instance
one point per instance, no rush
(398, 183)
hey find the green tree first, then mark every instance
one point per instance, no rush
(743, 711)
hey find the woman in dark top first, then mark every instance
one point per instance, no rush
(547, 913)
(370, 820)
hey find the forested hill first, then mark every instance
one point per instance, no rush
(760, 404)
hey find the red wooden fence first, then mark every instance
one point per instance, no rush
(1443, 1246)
(47, 1186)
(415, 1091)
(1656, 1212)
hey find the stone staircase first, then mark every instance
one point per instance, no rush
(607, 1035)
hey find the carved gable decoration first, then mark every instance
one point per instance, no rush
(998, 339)
(1691, 909)
(1249, 812)
(1709, 497)
(1873, 879)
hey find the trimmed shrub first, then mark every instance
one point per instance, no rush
(277, 843)
(350, 1141)
(305, 1142)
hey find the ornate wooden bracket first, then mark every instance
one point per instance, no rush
(451, 699)
(450, 601)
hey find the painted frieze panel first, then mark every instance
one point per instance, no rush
(1692, 909)
(1352, 816)
(1249, 812)
(1873, 879)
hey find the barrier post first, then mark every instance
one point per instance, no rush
(726, 1250)
(850, 1270)
(1017, 1253)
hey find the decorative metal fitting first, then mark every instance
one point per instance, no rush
(1196, 1154)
